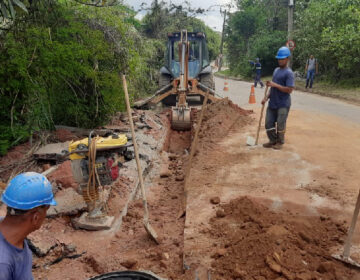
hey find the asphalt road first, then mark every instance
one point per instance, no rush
(239, 93)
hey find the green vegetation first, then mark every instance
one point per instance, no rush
(162, 19)
(328, 29)
(60, 60)
(256, 30)
(62, 67)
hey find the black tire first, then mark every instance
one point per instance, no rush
(126, 275)
(208, 80)
(164, 80)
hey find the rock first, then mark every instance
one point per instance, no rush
(240, 273)
(220, 213)
(46, 166)
(287, 274)
(70, 248)
(163, 264)
(304, 237)
(325, 267)
(173, 156)
(303, 276)
(219, 253)
(273, 265)
(179, 178)
(130, 263)
(215, 200)
(165, 173)
(165, 256)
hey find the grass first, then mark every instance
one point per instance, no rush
(332, 90)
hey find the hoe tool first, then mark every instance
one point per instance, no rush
(345, 257)
(250, 141)
(147, 225)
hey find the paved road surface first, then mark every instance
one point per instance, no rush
(239, 93)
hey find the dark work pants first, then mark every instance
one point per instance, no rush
(258, 80)
(275, 124)
(310, 77)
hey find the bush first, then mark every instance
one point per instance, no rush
(62, 67)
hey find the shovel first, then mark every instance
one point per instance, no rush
(345, 257)
(250, 141)
(147, 225)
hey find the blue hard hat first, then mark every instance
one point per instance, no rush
(28, 190)
(283, 52)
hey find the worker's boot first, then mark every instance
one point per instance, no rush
(278, 146)
(280, 140)
(269, 144)
(307, 83)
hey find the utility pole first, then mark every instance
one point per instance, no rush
(290, 24)
(222, 43)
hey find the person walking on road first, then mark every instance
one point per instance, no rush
(257, 66)
(28, 196)
(282, 85)
(311, 68)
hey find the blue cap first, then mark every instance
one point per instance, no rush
(27, 191)
(283, 52)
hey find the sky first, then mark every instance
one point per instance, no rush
(212, 18)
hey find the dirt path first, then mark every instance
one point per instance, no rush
(315, 175)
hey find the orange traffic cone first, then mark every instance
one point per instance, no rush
(252, 95)
(226, 86)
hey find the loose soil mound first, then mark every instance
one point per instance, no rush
(256, 243)
(219, 118)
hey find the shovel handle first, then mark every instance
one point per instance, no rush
(347, 246)
(136, 150)
(261, 115)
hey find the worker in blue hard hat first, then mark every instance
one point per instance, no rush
(28, 196)
(282, 85)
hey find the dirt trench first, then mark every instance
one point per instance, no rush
(240, 239)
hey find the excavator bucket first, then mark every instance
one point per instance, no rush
(180, 118)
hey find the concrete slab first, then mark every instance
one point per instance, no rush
(52, 151)
(41, 243)
(89, 224)
(69, 202)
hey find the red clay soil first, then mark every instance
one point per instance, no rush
(132, 248)
(16, 161)
(256, 243)
(219, 118)
(63, 176)
(63, 135)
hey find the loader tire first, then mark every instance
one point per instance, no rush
(207, 80)
(164, 80)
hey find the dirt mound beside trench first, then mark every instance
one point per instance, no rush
(256, 243)
(219, 118)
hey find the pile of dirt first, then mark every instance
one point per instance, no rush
(219, 118)
(256, 243)
(63, 135)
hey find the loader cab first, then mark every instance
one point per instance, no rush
(198, 54)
